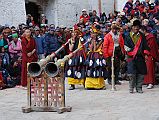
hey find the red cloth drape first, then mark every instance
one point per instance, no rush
(150, 62)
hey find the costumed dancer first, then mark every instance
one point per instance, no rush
(137, 50)
(95, 63)
(75, 67)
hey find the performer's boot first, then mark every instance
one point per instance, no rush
(139, 83)
(109, 81)
(139, 91)
(117, 82)
(131, 90)
(132, 81)
(72, 87)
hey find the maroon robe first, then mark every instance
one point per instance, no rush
(27, 46)
(150, 62)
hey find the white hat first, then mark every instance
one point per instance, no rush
(114, 22)
(84, 10)
(122, 13)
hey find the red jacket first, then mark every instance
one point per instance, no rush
(108, 45)
(85, 19)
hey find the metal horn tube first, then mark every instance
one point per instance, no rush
(52, 69)
(35, 68)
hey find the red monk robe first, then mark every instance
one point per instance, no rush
(27, 47)
(150, 62)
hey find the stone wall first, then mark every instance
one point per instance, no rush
(12, 13)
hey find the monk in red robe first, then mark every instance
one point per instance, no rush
(28, 54)
(149, 79)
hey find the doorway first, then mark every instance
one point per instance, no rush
(33, 9)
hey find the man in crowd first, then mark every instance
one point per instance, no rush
(112, 48)
(85, 16)
(51, 42)
(39, 43)
(137, 50)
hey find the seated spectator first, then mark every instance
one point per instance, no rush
(156, 28)
(104, 18)
(15, 70)
(2, 85)
(15, 47)
(85, 16)
(145, 22)
(94, 17)
(128, 6)
(5, 76)
(5, 58)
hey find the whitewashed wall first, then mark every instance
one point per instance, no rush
(63, 12)
(59, 12)
(12, 13)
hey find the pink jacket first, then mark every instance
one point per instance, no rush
(15, 49)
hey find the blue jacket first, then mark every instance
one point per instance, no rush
(51, 43)
(40, 44)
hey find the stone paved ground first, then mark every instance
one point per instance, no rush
(88, 105)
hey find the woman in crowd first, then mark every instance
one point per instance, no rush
(15, 47)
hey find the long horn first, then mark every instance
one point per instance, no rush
(35, 68)
(52, 69)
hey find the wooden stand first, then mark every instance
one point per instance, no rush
(46, 94)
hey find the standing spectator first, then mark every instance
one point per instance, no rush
(28, 54)
(137, 4)
(15, 47)
(137, 50)
(151, 59)
(29, 20)
(85, 16)
(51, 42)
(44, 21)
(103, 18)
(111, 45)
(39, 43)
